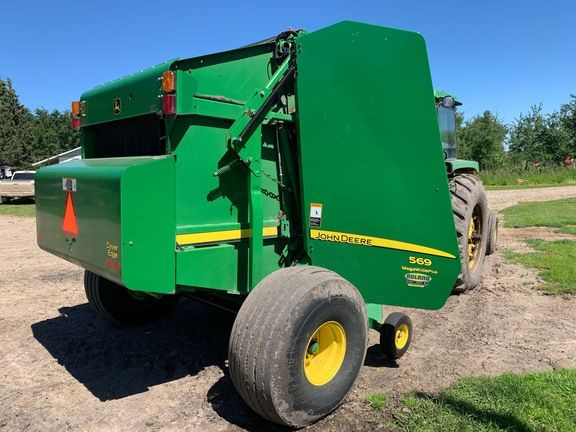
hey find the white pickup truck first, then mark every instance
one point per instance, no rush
(20, 185)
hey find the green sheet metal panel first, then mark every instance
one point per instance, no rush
(208, 203)
(232, 74)
(124, 212)
(148, 226)
(371, 156)
(222, 267)
(205, 203)
(134, 95)
(96, 202)
(455, 165)
(198, 140)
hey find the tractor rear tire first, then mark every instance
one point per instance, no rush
(470, 208)
(493, 223)
(298, 344)
(122, 307)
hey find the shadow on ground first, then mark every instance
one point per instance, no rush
(228, 404)
(113, 362)
(376, 358)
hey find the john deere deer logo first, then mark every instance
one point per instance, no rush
(117, 106)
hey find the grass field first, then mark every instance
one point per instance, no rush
(507, 178)
(536, 402)
(18, 209)
(559, 214)
(553, 260)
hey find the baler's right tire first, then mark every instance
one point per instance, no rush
(121, 307)
(470, 209)
(298, 344)
(396, 335)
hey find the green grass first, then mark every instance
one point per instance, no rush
(18, 209)
(555, 262)
(536, 402)
(515, 178)
(377, 401)
(569, 229)
(557, 214)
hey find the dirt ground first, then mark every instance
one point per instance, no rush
(63, 368)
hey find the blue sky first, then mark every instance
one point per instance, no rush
(500, 55)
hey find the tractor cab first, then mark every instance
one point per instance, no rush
(446, 108)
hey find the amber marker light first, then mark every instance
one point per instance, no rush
(168, 81)
(75, 108)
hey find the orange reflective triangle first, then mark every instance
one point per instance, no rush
(69, 224)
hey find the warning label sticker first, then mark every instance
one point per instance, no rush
(68, 184)
(315, 214)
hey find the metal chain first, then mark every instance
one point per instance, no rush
(275, 180)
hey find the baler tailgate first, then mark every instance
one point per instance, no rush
(112, 216)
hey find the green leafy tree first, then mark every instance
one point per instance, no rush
(52, 133)
(15, 128)
(539, 138)
(482, 139)
(567, 117)
(461, 150)
(26, 137)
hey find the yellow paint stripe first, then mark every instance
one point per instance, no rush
(222, 236)
(362, 240)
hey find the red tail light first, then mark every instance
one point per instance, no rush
(76, 123)
(169, 104)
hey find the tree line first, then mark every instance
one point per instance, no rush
(534, 139)
(27, 137)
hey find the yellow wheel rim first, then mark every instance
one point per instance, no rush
(474, 238)
(325, 353)
(401, 337)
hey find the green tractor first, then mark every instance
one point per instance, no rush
(476, 225)
(272, 181)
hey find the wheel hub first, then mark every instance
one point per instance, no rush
(325, 353)
(401, 337)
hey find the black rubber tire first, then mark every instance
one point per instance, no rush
(388, 335)
(467, 193)
(270, 336)
(115, 303)
(493, 223)
(4, 200)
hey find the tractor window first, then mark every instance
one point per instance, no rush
(447, 123)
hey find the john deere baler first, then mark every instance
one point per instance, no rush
(299, 181)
